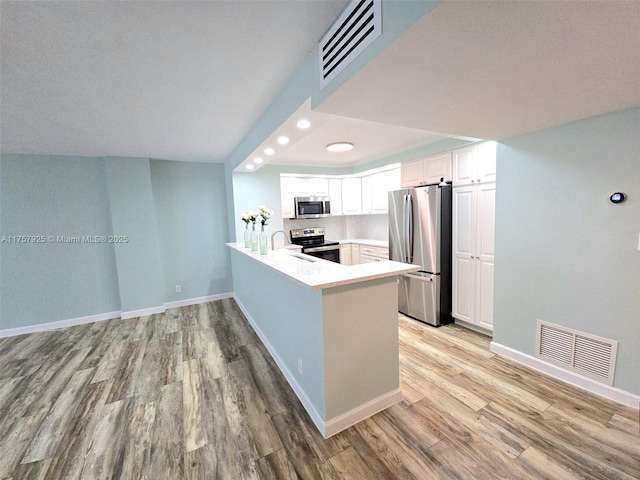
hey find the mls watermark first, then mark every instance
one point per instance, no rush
(62, 239)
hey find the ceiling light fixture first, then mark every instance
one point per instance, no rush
(283, 140)
(249, 167)
(269, 151)
(303, 124)
(340, 147)
(257, 160)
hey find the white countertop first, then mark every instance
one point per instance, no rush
(318, 274)
(366, 241)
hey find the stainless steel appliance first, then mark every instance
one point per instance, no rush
(313, 243)
(312, 207)
(420, 233)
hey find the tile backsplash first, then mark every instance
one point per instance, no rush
(342, 227)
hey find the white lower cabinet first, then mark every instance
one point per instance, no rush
(373, 254)
(473, 253)
(345, 254)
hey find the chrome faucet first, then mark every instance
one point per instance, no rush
(286, 238)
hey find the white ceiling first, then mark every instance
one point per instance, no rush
(151, 79)
(187, 80)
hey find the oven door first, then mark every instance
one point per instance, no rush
(330, 252)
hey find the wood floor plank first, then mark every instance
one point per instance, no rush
(127, 372)
(137, 445)
(202, 464)
(276, 466)
(623, 424)
(540, 465)
(193, 415)
(15, 441)
(105, 455)
(58, 420)
(166, 457)
(68, 462)
(349, 465)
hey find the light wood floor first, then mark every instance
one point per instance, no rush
(192, 393)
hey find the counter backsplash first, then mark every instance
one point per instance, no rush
(373, 227)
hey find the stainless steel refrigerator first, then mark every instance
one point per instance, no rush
(420, 233)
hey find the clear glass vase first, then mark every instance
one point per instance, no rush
(263, 241)
(254, 239)
(247, 236)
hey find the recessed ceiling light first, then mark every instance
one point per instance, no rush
(249, 167)
(283, 140)
(269, 151)
(257, 160)
(302, 124)
(340, 147)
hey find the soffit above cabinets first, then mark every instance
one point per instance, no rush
(371, 141)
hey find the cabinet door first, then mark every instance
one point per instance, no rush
(335, 194)
(355, 254)
(464, 169)
(303, 187)
(345, 254)
(381, 184)
(366, 194)
(411, 174)
(486, 162)
(464, 266)
(437, 167)
(351, 196)
(485, 253)
(320, 187)
(287, 192)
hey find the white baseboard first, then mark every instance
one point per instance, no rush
(142, 312)
(198, 300)
(612, 393)
(43, 327)
(361, 412)
(326, 427)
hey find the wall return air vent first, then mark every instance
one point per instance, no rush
(358, 26)
(582, 353)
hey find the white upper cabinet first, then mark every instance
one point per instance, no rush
(366, 194)
(381, 184)
(426, 171)
(352, 196)
(474, 164)
(335, 194)
(287, 189)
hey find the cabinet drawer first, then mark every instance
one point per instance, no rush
(378, 252)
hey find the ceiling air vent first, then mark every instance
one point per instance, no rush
(583, 353)
(358, 26)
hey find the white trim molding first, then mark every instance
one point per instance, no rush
(43, 327)
(361, 412)
(142, 312)
(197, 300)
(593, 386)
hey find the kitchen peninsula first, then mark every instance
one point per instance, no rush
(332, 329)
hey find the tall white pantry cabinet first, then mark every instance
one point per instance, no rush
(474, 195)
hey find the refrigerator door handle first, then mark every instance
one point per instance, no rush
(410, 228)
(405, 229)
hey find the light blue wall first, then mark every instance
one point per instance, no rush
(174, 214)
(55, 196)
(133, 216)
(564, 253)
(290, 316)
(190, 207)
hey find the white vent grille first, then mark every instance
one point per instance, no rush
(358, 26)
(583, 353)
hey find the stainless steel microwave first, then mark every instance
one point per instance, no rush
(312, 207)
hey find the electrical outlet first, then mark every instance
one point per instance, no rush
(178, 289)
(300, 366)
